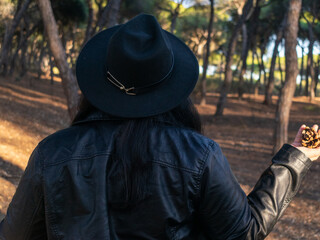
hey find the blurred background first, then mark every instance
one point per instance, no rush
(259, 80)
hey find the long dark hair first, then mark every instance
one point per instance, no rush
(129, 168)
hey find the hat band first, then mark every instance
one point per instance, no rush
(133, 90)
(118, 84)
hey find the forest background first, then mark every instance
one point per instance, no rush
(259, 61)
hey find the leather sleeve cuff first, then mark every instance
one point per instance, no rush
(293, 158)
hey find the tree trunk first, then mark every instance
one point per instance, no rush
(261, 69)
(280, 70)
(23, 39)
(20, 39)
(310, 68)
(285, 100)
(114, 14)
(175, 14)
(23, 60)
(262, 49)
(89, 23)
(109, 16)
(206, 56)
(9, 32)
(231, 49)
(244, 55)
(69, 82)
(51, 66)
(220, 68)
(39, 62)
(301, 71)
(252, 69)
(270, 84)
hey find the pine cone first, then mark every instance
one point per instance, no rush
(310, 138)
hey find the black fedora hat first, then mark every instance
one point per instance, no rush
(136, 69)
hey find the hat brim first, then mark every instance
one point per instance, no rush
(91, 75)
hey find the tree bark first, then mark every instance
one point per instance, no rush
(109, 16)
(310, 68)
(114, 14)
(69, 82)
(39, 62)
(231, 49)
(206, 56)
(244, 55)
(261, 69)
(175, 14)
(9, 33)
(89, 23)
(23, 60)
(249, 39)
(287, 92)
(301, 71)
(23, 39)
(20, 40)
(270, 84)
(221, 67)
(316, 76)
(51, 66)
(280, 70)
(252, 69)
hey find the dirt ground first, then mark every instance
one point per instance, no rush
(30, 110)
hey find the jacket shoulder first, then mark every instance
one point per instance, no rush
(180, 148)
(74, 142)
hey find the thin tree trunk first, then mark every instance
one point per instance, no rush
(244, 55)
(23, 61)
(114, 14)
(252, 69)
(306, 89)
(221, 67)
(109, 16)
(175, 15)
(262, 49)
(51, 66)
(9, 33)
(206, 56)
(270, 84)
(280, 70)
(301, 71)
(287, 92)
(231, 49)
(39, 62)
(258, 83)
(69, 82)
(89, 22)
(20, 39)
(310, 68)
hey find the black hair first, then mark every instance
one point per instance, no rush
(129, 169)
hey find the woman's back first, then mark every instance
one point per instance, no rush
(83, 200)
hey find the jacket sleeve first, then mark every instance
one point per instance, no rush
(25, 217)
(227, 213)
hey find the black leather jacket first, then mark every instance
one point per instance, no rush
(64, 192)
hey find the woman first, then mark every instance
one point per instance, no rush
(134, 165)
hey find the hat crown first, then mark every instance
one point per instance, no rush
(139, 53)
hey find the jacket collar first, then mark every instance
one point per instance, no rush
(95, 115)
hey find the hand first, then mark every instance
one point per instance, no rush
(313, 154)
